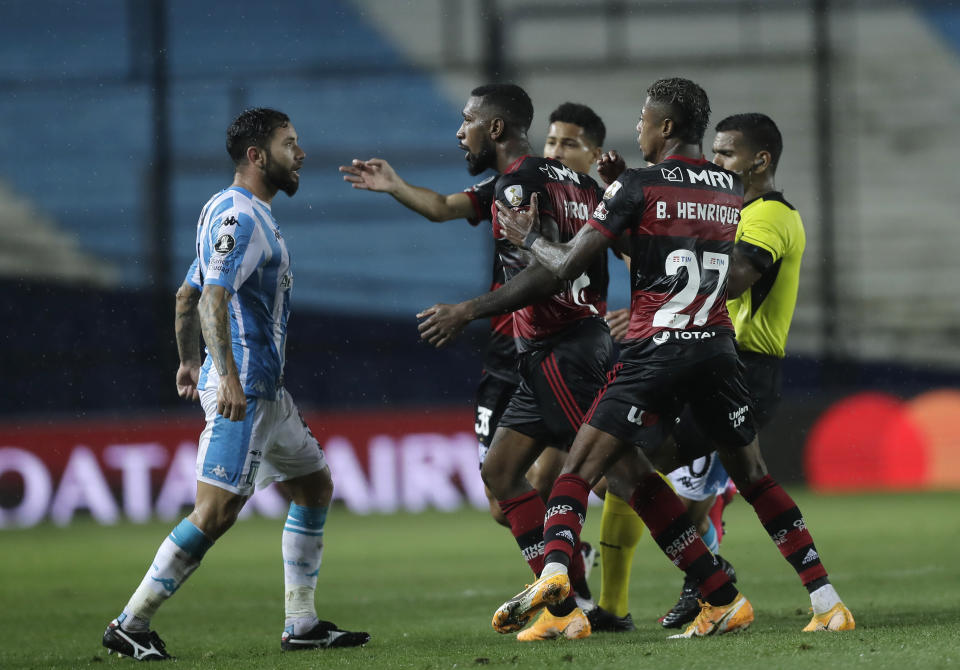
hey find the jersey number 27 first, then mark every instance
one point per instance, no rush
(669, 315)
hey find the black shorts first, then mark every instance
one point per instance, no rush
(493, 394)
(649, 391)
(763, 377)
(559, 380)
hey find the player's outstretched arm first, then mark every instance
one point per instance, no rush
(442, 323)
(377, 174)
(186, 328)
(215, 324)
(566, 260)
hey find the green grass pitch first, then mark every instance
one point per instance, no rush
(425, 586)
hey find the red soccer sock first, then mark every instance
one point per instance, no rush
(525, 514)
(783, 521)
(671, 528)
(566, 512)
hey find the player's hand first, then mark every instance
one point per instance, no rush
(610, 166)
(619, 321)
(441, 324)
(188, 374)
(375, 174)
(231, 401)
(515, 225)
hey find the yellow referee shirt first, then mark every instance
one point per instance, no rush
(771, 234)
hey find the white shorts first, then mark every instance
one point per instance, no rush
(703, 478)
(272, 443)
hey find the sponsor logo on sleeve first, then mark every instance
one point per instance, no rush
(514, 194)
(225, 244)
(612, 190)
(600, 213)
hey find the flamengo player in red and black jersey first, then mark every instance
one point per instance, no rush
(564, 343)
(575, 138)
(679, 219)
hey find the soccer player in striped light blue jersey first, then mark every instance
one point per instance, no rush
(237, 294)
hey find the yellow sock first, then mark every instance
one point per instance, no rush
(620, 531)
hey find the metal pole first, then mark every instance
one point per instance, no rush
(495, 67)
(829, 286)
(159, 216)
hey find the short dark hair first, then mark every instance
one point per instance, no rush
(253, 127)
(688, 103)
(583, 116)
(510, 102)
(760, 132)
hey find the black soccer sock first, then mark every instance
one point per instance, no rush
(671, 528)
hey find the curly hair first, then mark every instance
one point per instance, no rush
(253, 128)
(688, 104)
(583, 116)
(509, 102)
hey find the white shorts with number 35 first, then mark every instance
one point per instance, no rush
(272, 443)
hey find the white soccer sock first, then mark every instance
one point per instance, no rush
(711, 539)
(176, 559)
(302, 554)
(551, 569)
(824, 599)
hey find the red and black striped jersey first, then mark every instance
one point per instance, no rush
(500, 353)
(681, 217)
(568, 197)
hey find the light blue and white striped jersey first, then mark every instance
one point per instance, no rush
(239, 247)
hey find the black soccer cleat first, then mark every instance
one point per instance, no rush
(688, 605)
(145, 646)
(325, 635)
(602, 621)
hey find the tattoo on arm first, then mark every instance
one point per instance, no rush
(215, 323)
(569, 260)
(532, 285)
(186, 324)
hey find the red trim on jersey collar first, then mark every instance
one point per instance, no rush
(516, 164)
(686, 159)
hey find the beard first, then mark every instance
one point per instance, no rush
(484, 160)
(281, 178)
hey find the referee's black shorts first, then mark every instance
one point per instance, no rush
(762, 374)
